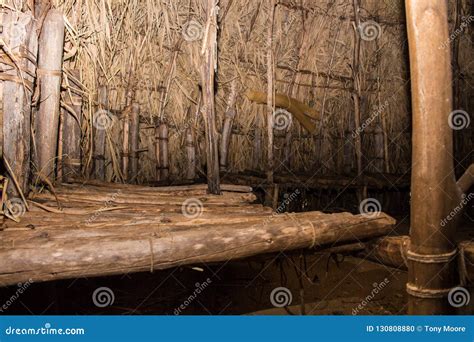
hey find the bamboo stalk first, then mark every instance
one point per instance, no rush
(72, 123)
(134, 136)
(209, 54)
(49, 79)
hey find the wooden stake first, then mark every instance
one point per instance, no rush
(134, 137)
(100, 132)
(164, 159)
(16, 87)
(209, 54)
(270, 92)
(126, 142)
(191, 154)
(72, 123)
(49, 80)
(227, 130)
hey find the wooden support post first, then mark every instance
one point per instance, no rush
(356, 96)
(126, 142)
(50, 59)
(270, 94)
(157, 153)
(99, 133)
(16, 88)
(257, 145)
(72, 123)
(209, 54)
(226, 135)
(191, 154)
(435, 194)
(134, 140)
(164, 152)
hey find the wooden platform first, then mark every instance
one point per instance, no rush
(100, 229)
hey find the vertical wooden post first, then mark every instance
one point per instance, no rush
(356, 96)
(227, 130)
(134, 137)
(164, 159)
(72, 123)
(16, 88)
(209, 54)
(257, 145)
(379, 149)
(432, 263)
(191, 154)
(126, 142)
(100, 132)
(157, 152)
(50, 59)
(270, 94)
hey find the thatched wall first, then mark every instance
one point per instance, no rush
(153, 49)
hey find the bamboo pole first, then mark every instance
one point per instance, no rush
(134, 137)
(72, 122)
(100, 132)
(164, 151)
(126, 142)
(270, 94)
(49, 79)
(191, 155)
(357, 94)
(226, 137)
(209, 54)
(435, 194)
(16, 88)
